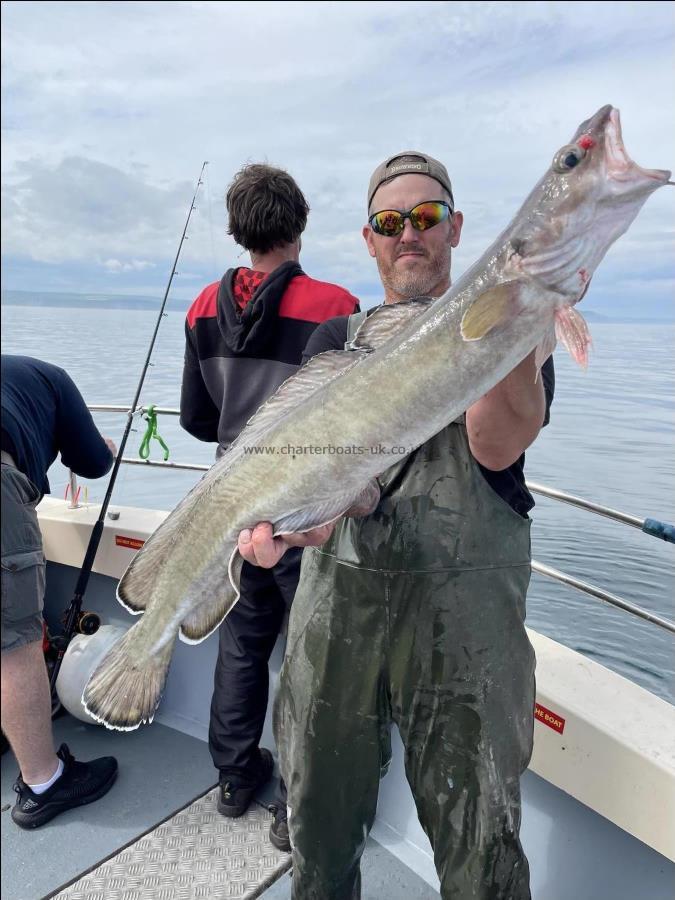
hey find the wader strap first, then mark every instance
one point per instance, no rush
(354, 322)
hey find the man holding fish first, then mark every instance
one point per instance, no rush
(415, 613)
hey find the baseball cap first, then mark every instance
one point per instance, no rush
(409, 162)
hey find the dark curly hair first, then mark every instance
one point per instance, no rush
(266, 208)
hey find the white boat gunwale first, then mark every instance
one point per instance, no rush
(615, 752)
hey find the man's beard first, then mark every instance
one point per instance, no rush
(417, 281)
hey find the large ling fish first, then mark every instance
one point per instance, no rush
(413, 369)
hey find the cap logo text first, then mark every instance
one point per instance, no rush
(404, 166)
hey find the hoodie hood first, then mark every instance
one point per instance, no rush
(251, 332)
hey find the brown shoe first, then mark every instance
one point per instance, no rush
(279, 829)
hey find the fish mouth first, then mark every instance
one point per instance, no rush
(620, 166)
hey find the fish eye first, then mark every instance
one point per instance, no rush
(567, 158)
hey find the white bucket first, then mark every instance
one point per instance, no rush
(82, 657)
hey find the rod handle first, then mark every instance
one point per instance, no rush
(659, 529)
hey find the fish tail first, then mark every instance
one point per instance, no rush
(124, 691)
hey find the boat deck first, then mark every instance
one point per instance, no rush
(161, 807)
(157, 833)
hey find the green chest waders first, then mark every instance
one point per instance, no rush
(412, 615)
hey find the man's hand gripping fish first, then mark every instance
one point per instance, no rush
(415, 367)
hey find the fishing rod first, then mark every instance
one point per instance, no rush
(75, 608)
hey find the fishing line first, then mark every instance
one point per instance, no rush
(75, 607)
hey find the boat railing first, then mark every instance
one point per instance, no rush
(650, 526)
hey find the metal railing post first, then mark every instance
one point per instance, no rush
(73, 489)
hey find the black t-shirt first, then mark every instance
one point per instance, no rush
(43, 414)
(508, 483)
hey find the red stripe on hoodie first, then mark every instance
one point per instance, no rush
(315, 301)
(205, 306)
(302, 300)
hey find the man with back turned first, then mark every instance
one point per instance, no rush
(244, 336)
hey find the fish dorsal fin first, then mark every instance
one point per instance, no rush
(388, 321)
(319, 371)
(496, 306)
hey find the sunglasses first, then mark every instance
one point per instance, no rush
(391, 222)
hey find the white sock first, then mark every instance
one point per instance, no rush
(41, 788)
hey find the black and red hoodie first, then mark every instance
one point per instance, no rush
(235, 358)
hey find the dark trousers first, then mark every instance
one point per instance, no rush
(241, 681)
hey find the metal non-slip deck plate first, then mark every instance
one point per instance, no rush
(197, 854)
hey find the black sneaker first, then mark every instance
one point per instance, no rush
(279, 829)
(79, 783)
(236, 791)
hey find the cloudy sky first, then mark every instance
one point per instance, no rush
(109, 110)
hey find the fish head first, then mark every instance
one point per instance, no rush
(586, 200)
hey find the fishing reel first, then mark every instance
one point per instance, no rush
(87, 623)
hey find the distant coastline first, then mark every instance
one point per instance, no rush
(89, 301)
(152, 304)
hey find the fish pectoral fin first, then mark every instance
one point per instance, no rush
(206, 616)
(497, 306)
(572, 330)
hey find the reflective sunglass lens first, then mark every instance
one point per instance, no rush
(389, 222)
(426, 215)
